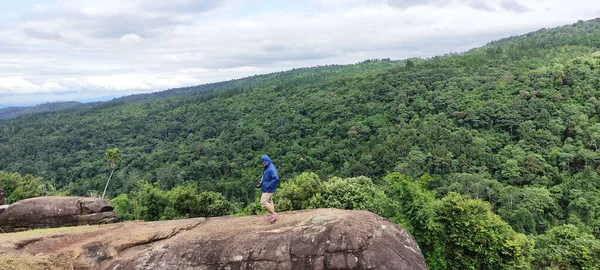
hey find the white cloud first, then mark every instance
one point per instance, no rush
(130, 39)
(85, 47)
(17, 85)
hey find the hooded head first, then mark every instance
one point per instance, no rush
(266, 159)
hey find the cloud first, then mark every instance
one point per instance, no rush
(185, 6)
(131, 38)
(481, 5)
(121, 47)
(42, 34)
(12, 85)
(403, 4)
(112, 19)
(108, 83)
(512, 5)
(506, 5)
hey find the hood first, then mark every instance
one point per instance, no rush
(266, 159)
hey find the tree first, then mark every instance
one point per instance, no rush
(18, 187)
(112, 155)
(567, 247)
(413, 206)
(473, 237)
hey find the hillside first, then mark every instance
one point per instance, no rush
(335, 121)
(84, 134)
(12, 112)
(514, 123)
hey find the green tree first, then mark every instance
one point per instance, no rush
(567, 247)
(473, 237)
(413, 206)
(123, 207)
(304, 192)
(18, 187)
(112, 155)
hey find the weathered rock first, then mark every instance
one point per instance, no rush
(52, 212)
(312, 239)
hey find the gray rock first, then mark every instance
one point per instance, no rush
(52, 212)
(311, 239)
(328, 239)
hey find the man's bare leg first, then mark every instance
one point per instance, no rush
(271, 209)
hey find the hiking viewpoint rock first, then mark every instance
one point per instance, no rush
(310, 239)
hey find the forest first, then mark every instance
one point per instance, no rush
(488, 157)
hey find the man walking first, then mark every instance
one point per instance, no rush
(270, 179)
(1, 194)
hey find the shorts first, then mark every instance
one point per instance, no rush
(266, 199)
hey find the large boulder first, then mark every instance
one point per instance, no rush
(52, 212)
(311, 239)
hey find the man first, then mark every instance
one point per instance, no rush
(270, 179)
(1, 195)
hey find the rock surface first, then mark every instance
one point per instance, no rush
(53, 212)
(311, 239)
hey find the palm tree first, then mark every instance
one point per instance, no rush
(112, 155)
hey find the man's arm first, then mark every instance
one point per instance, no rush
(260, 181)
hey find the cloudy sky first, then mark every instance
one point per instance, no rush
(59, 50)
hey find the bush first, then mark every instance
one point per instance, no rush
(17, 187)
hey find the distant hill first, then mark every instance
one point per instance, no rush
(12, 112)
(256, 81)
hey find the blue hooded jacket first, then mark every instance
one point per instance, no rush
(270, 177)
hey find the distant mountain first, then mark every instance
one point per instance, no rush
(323, 73)
(12, 112)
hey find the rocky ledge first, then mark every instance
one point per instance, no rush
(311, 239)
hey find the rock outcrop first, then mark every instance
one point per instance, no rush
(53, 212)
(312, 239)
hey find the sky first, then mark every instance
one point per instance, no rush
(82, 50)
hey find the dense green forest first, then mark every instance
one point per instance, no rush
(488, 157)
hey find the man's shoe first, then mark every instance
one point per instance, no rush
(272, 218)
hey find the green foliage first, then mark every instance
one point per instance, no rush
(123, 207)
(529, 210)
(18, 187)
(307, 191)
(149, 202)
(413, 206)
(455, 232)
(567, 247)
(475, 238)
(356, 193)
(113, 155)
